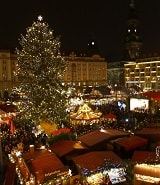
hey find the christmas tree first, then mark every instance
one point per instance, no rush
(40, 70)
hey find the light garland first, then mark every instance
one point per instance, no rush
(147, 173)
(40, 69)
(157, 152)
(104, 173)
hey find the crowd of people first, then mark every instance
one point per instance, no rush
(21, 139)
(25, 132)
(125, 120)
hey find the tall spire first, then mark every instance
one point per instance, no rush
(132, 4)
(133, 40)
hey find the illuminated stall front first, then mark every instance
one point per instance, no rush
(39, 167)
(100, 167)
(146, 174)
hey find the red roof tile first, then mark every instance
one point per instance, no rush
(46, 166)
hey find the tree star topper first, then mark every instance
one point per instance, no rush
(40, 18)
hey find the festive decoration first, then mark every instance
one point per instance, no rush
(147, 173)
(110, 172)
(157, 152)
(85, 113)
(40, 69)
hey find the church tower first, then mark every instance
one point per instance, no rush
(133, 41)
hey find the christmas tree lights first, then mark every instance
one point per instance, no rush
(40, 70)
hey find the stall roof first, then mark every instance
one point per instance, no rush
(143, 156)
(95, 159)
(155, 95)
(44, 164)
(48, 162)
(98, 136)
(38, 153)
(149, 133)
(63, 147)
(132, 142)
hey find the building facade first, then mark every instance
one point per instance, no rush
(86, 71)
(8, 63)
(81, 71)
(115, 73)
(145, 73)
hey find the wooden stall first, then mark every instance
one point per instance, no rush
(146, 174)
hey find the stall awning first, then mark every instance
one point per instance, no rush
(110, 116)
(155, 95)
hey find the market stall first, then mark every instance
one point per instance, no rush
(100, 167)
(110, 120)
(146, 174)
(49, 167)
(132, 142)
(39, 167)
(96, 138)
(110, 116)
(155, 96)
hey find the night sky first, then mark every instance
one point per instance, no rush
(77, 21)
